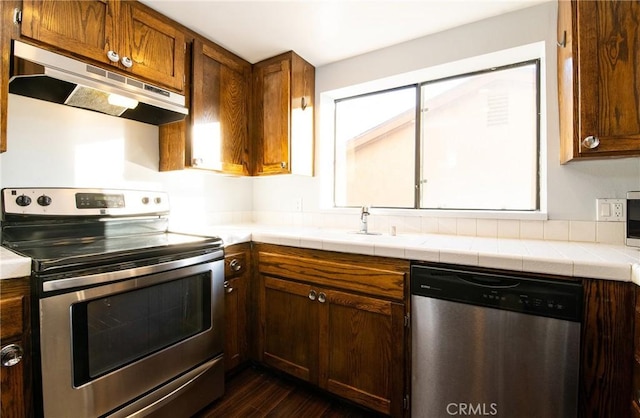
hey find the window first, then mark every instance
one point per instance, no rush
(473, 144)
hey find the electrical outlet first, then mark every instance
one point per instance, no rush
(297, 204)
(611, 210)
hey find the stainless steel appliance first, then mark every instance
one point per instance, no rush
(499, 345)
(127, 317)
(633, 219)
(45, 75)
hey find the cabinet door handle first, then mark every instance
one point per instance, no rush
(227, 289)
(283, 165)
(563, 42)
(127, 62)
(113, 56)
(303, 103)
(312, 295)
(322, 298)
(591, 142)
(10, 355)
(235, 265)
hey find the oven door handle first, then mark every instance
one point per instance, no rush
(113, 276)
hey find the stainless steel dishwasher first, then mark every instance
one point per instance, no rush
(493, 344)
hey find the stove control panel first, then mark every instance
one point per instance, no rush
(82, 202)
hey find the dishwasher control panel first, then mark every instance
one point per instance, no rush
(543, 297)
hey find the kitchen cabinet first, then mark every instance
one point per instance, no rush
(237, 273)
(607, 348)
(15, 377)
(7, 30)
(635, 394)
(336, 321)
(216, 136)
(122, 34)
(283, 115)
(598, 79)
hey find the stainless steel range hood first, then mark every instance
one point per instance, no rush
(45, 75)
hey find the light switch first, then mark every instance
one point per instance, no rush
(605, 209)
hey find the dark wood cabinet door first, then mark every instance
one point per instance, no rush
(607, 348)
(92, 28)
(599, 81)
(234, 328)
(220, 111)
(361, 350)
(236, 305)
(156, 47)
(273, 107)
(290, 328)
(83, 27)
(15, 380)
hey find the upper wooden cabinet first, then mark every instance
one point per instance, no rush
(283, 115)
(126, 35)
(598, 78)
(220, 110)
(215, 136)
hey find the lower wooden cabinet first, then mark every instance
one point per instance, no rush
(607, 348)
(236, 304)
(635, 392)
(337, 321)
(15, 373)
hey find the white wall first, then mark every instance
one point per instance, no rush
(51, 145)
(571, 189)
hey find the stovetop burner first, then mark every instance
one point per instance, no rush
(77, 229)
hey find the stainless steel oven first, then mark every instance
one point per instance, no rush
(129, 316)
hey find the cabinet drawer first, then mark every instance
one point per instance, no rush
(364, 274)
(235, 265)
(11, 317)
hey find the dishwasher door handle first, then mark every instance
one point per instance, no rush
(488, 283)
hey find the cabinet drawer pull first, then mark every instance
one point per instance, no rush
(591, 142)
(235, 265)
(10, 355)
(322, 298)
(127, 62)
(227, 289)
(113, 56)
(312, 295)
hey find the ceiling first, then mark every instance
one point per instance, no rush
(324, 31)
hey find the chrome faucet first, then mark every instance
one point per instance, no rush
(364, 214)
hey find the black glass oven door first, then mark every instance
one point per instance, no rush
(116, 330)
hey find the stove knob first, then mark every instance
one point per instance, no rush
(23, 200)
(145, 200)
(44, 200)
(157, 200)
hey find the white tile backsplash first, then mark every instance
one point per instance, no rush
(550, 230)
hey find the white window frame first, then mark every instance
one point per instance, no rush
(500, 58)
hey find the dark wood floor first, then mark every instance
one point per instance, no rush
(255, 392)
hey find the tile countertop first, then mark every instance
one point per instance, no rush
(600, 261)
